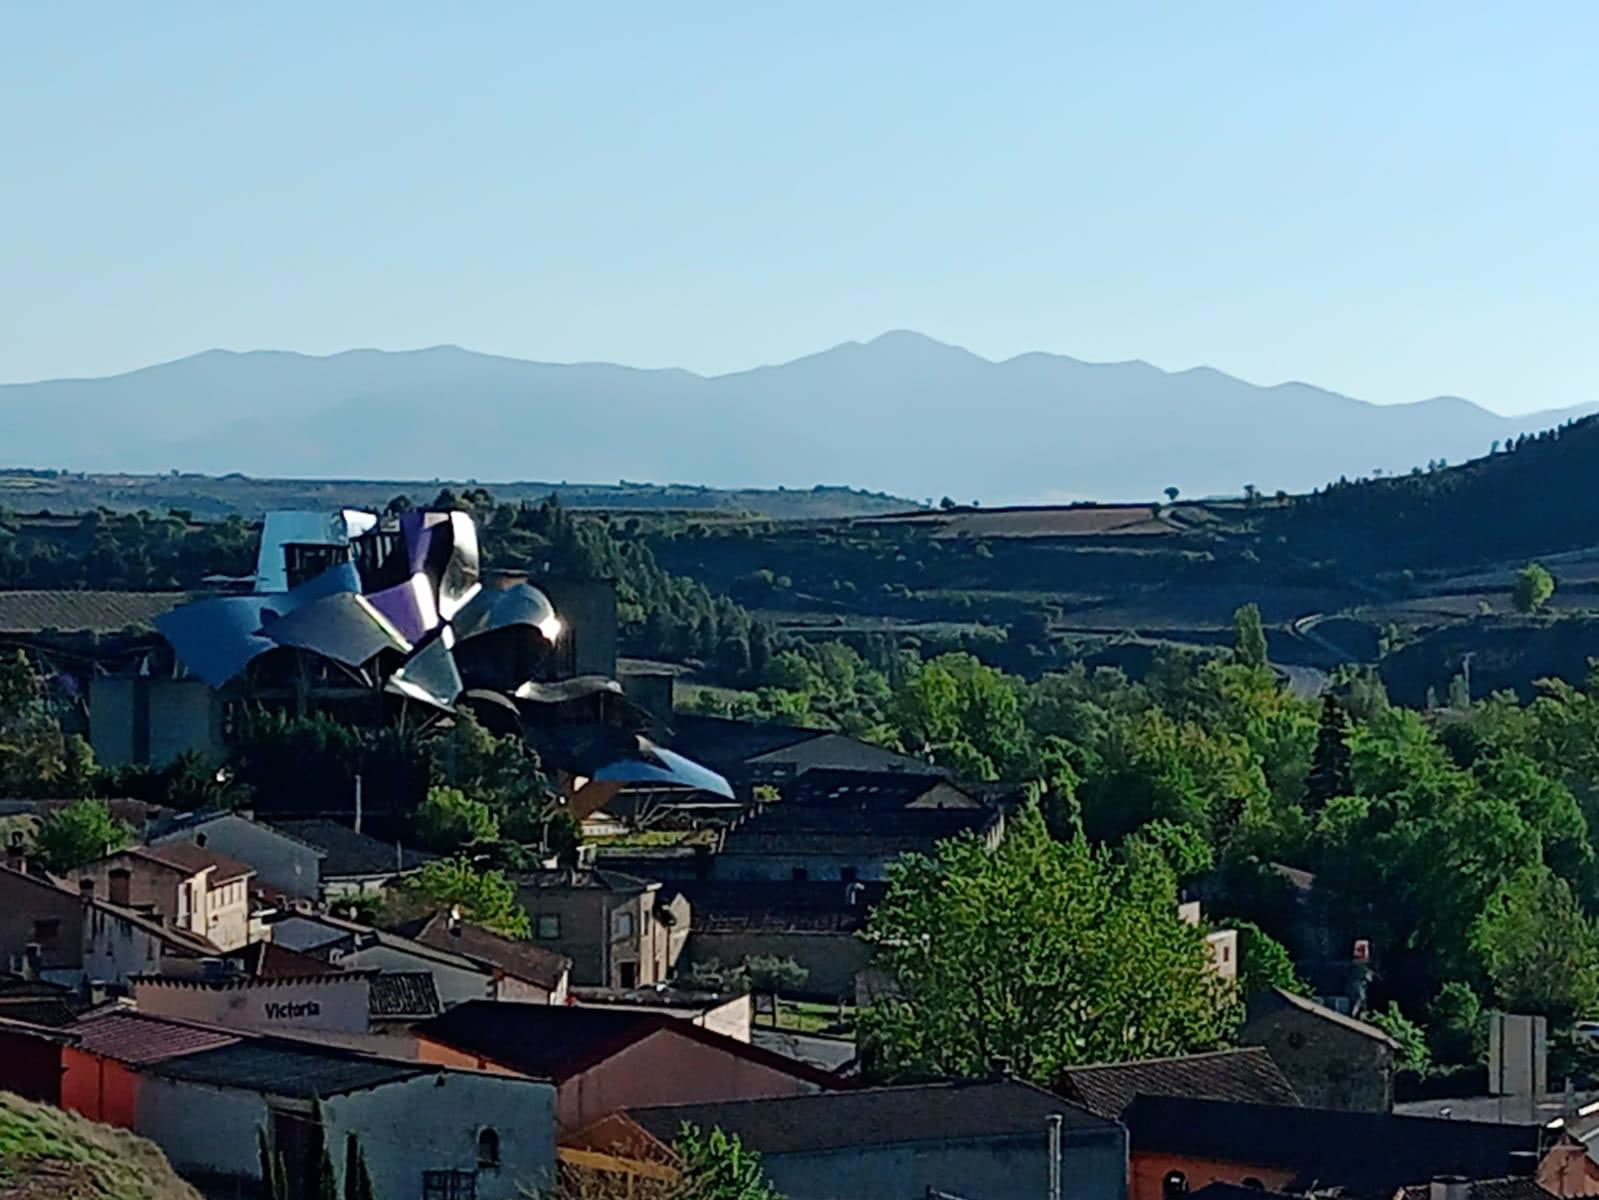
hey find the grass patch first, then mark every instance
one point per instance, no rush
(45, 1152)
(809, 1016)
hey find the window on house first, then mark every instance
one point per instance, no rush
(488, 1148)
(799, 874)
(46, 931)
(627, 974)
(449, 1185)
(622, 924)
(548, 927)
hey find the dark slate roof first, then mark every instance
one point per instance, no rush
(518, 959)
(721, 743)
(403, 994)
(876, 1116)
(1280, 997)
(282, 1068)
(725, 906)
(84, 612)
(558, 1042)
(785, 829)
(1222, 1190)
(588, 878)
(1249, 1075)
(39, 1010)
(349, 852)
(829, 787)
(846, 753)
(134, 1037)
(1511, 1187)
(1369, 1154)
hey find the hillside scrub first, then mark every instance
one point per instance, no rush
(48, 1154)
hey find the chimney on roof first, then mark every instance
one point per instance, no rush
(455, 920)
(16, 858)
(852, 893)
(1449, 1187)
(31, 960)
(119, 886)
(86, 888)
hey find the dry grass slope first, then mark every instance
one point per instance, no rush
(47, 1154)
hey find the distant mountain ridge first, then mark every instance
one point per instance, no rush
(902, 413)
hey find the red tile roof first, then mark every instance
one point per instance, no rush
(1249, 1074)
(133, 1037)
(192, 859)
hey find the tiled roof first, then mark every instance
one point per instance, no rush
(268, 960)
(786, 829)
(349, 852)
(1368, 1154)
(558, 1042)
(133, 1037)
(518, 959)
(292, 1070)
(1281, 996)
(84, 612)
(39, 1010)
(876, 1116)
(728, 906)
(834, 788)
(403, 994)
(588, 878)
(1511, 1187)
(192, 859)
(1249, 1074)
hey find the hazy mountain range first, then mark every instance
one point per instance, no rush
(902, 413)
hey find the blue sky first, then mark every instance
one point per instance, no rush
(1391, 200)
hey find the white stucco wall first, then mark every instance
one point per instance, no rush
(455, 984)
(281, 863)
(420, 1124)
(115, 949)
(333, 1003)
(403, 1128)
(202, 1129)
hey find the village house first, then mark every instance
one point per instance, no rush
(618, 930)
(353, 863)
(977, 1141)
(815, 924)
(518, 972)
(602, 1060)
(1332, 1060)
(194, 888)
(1181, 1144)
(727, 1013)
(50, 933)
(284, 865)
(207, 1098)
(522, 970)
(810, 844)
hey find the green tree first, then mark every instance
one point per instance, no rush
(1329, 765)
(485, 898)
(1263, 961)
(79, 833)
(357, 1179)
(1532, 588)
(1455, 1029)
(771, 973)
(448, 820)
(274, 1173)
(1039, 952)
(1249, 636)
(1538, 947)
(36, 757)
(1413, 1053)
(716, 1165)
(1171, 495)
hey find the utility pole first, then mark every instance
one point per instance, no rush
(1053, 1122)
(358, 803)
